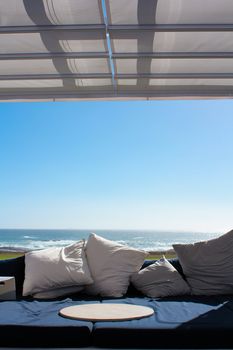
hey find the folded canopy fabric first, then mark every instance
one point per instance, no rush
(115, 49)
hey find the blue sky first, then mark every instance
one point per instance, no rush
(165, 165)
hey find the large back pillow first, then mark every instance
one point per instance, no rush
(208, 265)
(56, 268)
(111, 265)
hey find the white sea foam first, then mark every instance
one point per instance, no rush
(50, 243)
(36, 245)
(150, 241)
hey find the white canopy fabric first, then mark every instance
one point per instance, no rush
(115, 49)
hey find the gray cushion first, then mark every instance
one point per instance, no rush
(208, 265)
(160, 279)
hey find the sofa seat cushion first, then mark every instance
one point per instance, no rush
(178, 322)
(38, 324)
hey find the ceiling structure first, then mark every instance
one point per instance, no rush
(115, 49)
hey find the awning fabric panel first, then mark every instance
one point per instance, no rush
(148, 41)
(80, 49)
(170, 11)
(50, 42)
(57, 12)
(173, 65)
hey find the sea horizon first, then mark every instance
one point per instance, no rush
(24, 239)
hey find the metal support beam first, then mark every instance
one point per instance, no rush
(171, 55)
(173, 93)
(176, 76)
(174, 27)
(52, 55)
(154, 55)
(55, 76)
(118, 76)
(49, 28)
(108, 41)
(129, 27)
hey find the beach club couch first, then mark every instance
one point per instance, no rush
(184, 321)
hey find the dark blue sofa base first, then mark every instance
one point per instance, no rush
(163, 339)
(38, 324)
(188, 322)
(178, 322)
(47, 337)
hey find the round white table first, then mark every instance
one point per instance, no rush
(106, 312)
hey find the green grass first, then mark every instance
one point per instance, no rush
(153, 256)
(160, 255)
(4, 256)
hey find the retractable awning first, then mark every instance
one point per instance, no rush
(115, 49)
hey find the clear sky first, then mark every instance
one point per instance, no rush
(165, 165)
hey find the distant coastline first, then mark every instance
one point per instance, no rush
(155, 242)
(14, 250)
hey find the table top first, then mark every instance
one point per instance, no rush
(106, 312)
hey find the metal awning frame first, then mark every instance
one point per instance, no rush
(108, 31)
(116, 28)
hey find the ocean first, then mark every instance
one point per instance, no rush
(25, 239)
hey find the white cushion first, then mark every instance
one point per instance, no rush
(58, 292)
(160, 279)
(208, 265)
(111, 265)
(56, 267)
